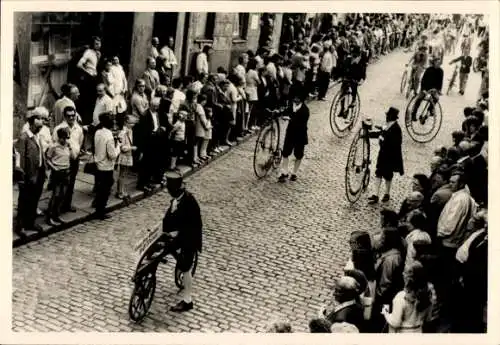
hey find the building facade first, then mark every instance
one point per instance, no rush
(48, 45)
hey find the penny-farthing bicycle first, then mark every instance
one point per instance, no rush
(267, 152)
(357, 170)
(343, 112)
(144, 278)
(427, 123)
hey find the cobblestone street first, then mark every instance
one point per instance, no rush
(270, 249)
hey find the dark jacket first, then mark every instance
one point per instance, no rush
(187, 220)
(352, 314)
(465, 63)
(389, 276)
(297, 127)
(390, 156)
(355, 71)
(432, 79)
(29, 153)
(146, 127)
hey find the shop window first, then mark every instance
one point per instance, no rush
(210, 26)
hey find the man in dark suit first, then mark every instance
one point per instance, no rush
(390, 156)
(32, 165)
(348, 308)
(152, 130)
(183, 222)
(296, 134)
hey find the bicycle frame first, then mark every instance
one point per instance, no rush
(163, 243)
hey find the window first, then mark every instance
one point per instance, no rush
(241, 26)
(210, 26)
(205, 25)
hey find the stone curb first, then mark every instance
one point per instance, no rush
(138, 197)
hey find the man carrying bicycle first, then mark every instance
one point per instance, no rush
(419, 62)
(183, 223)
(431, 80)
(353, 74)
(465, 65)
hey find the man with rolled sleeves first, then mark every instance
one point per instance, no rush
(183, 222)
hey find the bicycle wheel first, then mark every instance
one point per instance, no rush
(277, 153)
(332, 113)
(179, 274)
(475, 65)
(427, 125)
(142, 295)
(404, 80)
(355, 171)
(265, 146)
(344, 121)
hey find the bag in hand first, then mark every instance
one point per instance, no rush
(90, 167)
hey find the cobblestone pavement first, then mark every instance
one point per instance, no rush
(270, 250)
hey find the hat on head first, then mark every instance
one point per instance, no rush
(392, 114)
(173, 176)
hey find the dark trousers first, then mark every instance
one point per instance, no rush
(418, 101)
(29, 196)
(354, 92)
(323, 82)
(87, 87)
(59, 181)
(103, 184)
(150, 167)
(74, 165)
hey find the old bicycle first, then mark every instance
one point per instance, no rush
(267, 152)
(357, 170)
(427, 123)
(343, 113)
(144, 277)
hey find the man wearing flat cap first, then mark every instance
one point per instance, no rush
(33, 167)
(183, 221)
(390, 156)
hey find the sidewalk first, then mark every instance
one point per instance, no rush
(82, 198)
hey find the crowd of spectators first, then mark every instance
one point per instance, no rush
(99, 119)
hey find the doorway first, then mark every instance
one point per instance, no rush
(165, 26)
(117, 36)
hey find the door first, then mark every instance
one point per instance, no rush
(165, 26)
(117, 36)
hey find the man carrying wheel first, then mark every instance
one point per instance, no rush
(431, 80)
(390, 156)
(183, 222)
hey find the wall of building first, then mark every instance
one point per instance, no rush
(142, 33)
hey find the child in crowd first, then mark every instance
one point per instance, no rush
(203, 125)
(58, 159)
(177, 137)
(125, 159)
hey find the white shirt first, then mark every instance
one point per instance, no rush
(169, 55)
(89, 61)
(75, 136)
(102, 105)
(177, 99)
(119, 79)
(156, 125)
(105, 150)
(202, 63)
